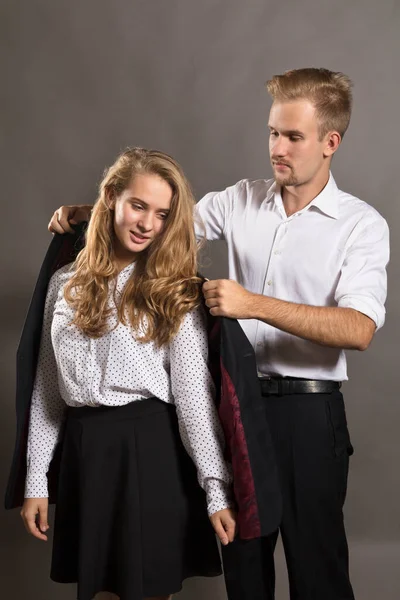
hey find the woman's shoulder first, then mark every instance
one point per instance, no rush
(61, 276)
(195, 319)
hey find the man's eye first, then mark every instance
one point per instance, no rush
(273, 133)
(137, 206)
(295, 138)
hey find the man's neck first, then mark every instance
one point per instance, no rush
(297, 197)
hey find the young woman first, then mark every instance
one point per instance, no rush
(122, 378)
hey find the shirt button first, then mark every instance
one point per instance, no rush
(277, 252)
(259, 344)
(269, 282)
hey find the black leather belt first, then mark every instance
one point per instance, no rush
(282, 386)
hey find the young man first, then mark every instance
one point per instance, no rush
(307, 280)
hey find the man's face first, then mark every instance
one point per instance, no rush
(296, 152)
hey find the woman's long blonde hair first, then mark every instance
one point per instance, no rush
(164, 285)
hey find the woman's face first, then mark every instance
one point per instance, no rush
(139, 215)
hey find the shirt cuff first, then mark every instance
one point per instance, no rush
(219, 495)
(36, 485)
(366, 307)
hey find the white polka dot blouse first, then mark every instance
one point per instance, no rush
(116, 369)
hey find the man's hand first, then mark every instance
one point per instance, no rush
(66, 215)
(226, 298)
(333, 326)
(34, 515)
(224, 523)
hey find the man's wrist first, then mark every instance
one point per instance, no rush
(257, 306)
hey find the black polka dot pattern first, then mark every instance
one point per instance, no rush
(116, 369)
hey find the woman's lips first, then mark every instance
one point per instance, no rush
(137, 238)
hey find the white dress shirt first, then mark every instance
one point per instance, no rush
(116, 369)
(331, 253)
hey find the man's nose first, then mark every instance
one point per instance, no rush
(279, 147)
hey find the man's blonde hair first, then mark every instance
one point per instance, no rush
(328, 91)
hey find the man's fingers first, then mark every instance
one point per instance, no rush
(212, 302)
(211, 294)
(81, 214)
(60, 221)
(54, 226)
(66, 215)
(63, 215)
(208, 286)
(216, 308)
(217, 312)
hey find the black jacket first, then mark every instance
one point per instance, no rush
(233, 367)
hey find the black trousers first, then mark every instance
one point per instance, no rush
(312, 447)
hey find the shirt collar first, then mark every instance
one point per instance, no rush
(271, 192)
(327, 201)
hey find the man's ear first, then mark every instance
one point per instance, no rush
(333, 139)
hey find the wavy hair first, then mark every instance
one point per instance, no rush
(164, 285)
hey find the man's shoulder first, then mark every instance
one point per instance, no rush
(253, 190)
(353, 206)
(257, 185)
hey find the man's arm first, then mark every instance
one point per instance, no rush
(65, 216)
(329, 326)
(213, 212)
(360, 296)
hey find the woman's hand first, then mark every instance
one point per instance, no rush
(65, 216)
(34, 515)
(224, 523)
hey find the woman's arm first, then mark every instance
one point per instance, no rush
(46, 416)
(199, 426)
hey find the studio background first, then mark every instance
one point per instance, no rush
(83, 80)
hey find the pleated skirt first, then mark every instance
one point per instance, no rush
(130, 517)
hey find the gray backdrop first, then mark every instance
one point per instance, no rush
(82, 80)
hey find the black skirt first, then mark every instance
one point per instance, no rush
(130, 516)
